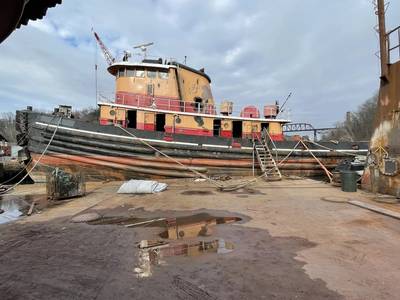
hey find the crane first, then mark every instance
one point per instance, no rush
(107, 54)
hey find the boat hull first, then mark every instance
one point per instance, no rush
(108, 152)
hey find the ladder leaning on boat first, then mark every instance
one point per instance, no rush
(265, 159)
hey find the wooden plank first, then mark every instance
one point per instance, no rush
(375, 208)
(31, 208)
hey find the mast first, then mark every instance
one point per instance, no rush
(382, 39)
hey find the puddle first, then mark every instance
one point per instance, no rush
(152, 253)
(162, 222)
(197, 192)
(173, 235)
(13, 207)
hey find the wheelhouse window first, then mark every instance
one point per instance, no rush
(163, 74)
(139, 73)
(151, 74)
(121, 73)
(130, 73)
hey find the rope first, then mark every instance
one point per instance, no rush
(36, 163)
(222, 187)
(290, 153)
(334, 150)
(328, 173)
(171, 158)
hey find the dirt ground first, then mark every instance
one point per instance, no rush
(289, 244)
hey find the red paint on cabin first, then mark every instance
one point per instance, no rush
(105, 122)
(250, 112)
(226, 133)
(112, 122)
(188, 131)
(277, 137)
(145, 126)
(253, 135)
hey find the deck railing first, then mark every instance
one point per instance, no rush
(169, 104)
(162, 103)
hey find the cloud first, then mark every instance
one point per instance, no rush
(256, 52)
(231, 55)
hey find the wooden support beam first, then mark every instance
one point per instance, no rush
(376, 209)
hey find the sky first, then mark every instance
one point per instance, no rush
(256, 52)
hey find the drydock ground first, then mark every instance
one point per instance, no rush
(289, 244)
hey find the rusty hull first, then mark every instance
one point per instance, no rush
(101, 167)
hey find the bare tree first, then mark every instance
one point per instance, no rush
(358, 125)
(87, 114)
(7, 127)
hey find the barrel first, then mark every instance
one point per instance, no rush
(349, 181)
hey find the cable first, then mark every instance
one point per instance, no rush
(328, 173)
(334, 150)
(222, 187)
(169, 157)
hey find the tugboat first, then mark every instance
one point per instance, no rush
(164, 122)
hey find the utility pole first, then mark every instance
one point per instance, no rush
(382, 39)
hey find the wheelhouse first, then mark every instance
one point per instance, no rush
(173, 98)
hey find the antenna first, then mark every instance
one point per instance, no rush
(143, 47)
(283, 105)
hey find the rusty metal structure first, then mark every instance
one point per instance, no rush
(382, 173)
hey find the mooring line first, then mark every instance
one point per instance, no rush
(221, 187)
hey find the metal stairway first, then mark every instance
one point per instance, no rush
(265, 159)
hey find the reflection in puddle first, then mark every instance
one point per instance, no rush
(11, 209)
(162, 221)
(151, 253)
(14, 206)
